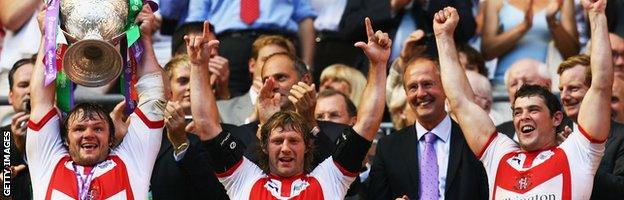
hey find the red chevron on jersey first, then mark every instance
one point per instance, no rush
(549, 179)
(514, 174)
(63, 182)
(298, 187)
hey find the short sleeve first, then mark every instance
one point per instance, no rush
(302, 10)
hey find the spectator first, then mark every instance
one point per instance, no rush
(240, 110)
(429, 151)
(238, 28)
(575, 81)
(513, 168)
(286, 156)
(401, 113)
(617, 49)
(527, 28)
(471, 59)
(219, 65)
(179, 175)
(481, 88)
(336, 107)
(345, 79)
(19, 98)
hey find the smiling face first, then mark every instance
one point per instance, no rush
(573, 89)
(286, 148)
(534, 124)
(88, 138)
(424, 92)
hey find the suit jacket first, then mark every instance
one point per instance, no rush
(395, 170)
(190, 178)
(235, 110)
(609, 179)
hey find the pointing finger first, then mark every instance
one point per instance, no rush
(369, 28)
(206, 29)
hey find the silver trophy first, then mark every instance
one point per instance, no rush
(93, 28)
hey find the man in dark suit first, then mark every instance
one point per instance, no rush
(574, 81)
(403, 161)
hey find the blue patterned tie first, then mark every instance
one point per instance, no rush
(429, 170)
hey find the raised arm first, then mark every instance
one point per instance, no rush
(150, 86)
(15, 13)
(563, 31)
(41, 96)
(373, 98)
(595, 112)
(493, 43)
(473, 120)
(203, 102)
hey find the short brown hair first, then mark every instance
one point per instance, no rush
(286, 120)
(573, 61)
(265, 40)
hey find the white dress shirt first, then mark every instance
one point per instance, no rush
(329, 14)
(442, 147)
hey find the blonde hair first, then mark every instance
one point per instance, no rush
(180, 60)
(355, 78)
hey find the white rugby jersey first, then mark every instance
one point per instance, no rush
(563, 172)
(124, 174)
(246, 180)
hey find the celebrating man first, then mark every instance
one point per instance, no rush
(286, 144)
(75, 157)
(537, 168)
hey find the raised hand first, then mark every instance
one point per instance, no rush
(220, 67)
(378, 47)
(147, 22)
(220, 70)
(553, 8)
(199, 48)
(413, 46)
(175, 123)
(303, 97)
(595, 6)
(120, 121)
(268, 100)
(18, 129)
(445, 21)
